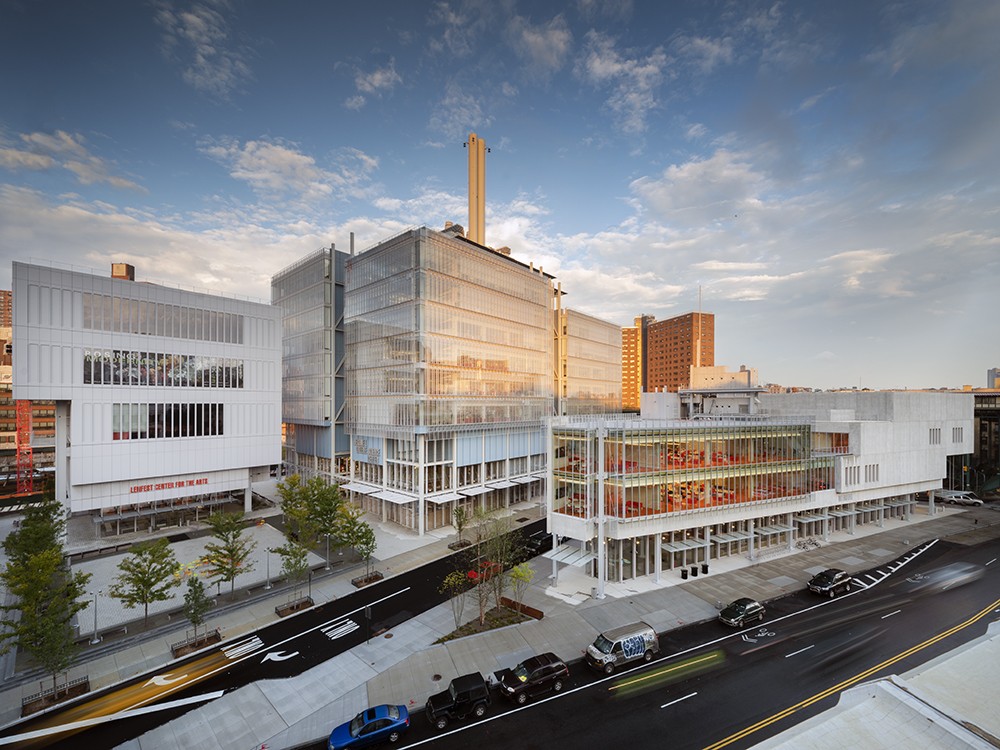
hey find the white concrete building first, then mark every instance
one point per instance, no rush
(636, 496)
(167, 401)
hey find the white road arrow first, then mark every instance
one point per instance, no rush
(748, 639)
(278, 656)
(165, 679)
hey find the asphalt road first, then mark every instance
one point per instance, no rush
(715, 687)
(284, 649)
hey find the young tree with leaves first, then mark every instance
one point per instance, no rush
(456, 586)
(294, 563)
(148, 574)
(354, 532)
(313, 511)
(521, 576)
(231, 555)
(48, 596)
(461, 519)
(196, 603)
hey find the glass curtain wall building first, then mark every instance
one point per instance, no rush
(589, 365)
(310, 294)
(449, 351)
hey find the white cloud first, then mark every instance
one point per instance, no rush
(633, 80)
(543, 48)
(381, 79)
(61, 149)
(280, 168)
(705, 54)
(462, 22)
(213, 65)
(459, 113)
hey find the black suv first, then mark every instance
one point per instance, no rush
(830, 581)
(742, 611)
(468, 694)
(532, 677)
(539, 542)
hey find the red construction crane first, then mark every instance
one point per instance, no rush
(25, 459)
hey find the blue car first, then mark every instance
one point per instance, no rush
(383, 723)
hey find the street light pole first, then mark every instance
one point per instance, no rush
(96, 639)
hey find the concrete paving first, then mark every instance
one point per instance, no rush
(404, 665)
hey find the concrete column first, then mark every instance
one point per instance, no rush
(658, 556)
(601, 520)
(791, 531)
(750, 540)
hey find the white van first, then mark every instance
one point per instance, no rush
(621, 645)
(957, 497)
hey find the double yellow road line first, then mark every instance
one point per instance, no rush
(852, 680)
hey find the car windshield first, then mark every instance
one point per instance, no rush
(521, 673)
(825, 577)
(356, 723)
(737, 607)
(393, 712)
(603, 645)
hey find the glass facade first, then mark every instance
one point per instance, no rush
(592, 377)
(683, 468)
(442, 335)
(304, 292)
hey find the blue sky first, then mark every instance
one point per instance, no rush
(825, 173)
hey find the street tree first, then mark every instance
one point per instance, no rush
(461, 519)
(312, 511)
(456, 586)
(355, 532)
(148, 574)
(230, 556)
(196, 603)
(44, 594)
(294, 563)
(521, 576)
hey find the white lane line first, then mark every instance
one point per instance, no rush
(799, 651)
(689, 695)
(892, 613)
(992, 561)
(82, 724)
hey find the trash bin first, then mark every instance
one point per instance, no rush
(704, 568)
(684, 573)
(694, 571)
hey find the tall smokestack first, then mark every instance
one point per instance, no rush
(477, 189)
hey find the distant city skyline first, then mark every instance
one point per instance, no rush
(825, 175)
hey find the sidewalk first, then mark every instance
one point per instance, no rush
(403, 665)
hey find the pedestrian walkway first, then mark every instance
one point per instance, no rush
(405, 666)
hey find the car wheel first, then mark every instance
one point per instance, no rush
(393, 736)
(479, 711)
(609, 668)
(521, 698)
(441, 722)
(648, 656)
(557, 686)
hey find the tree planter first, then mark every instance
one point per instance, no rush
(292, 607)
(524, 609)
(48, 698)
(460, 544)
(183, 648)
(365, 580)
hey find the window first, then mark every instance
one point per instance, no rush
(935, 436)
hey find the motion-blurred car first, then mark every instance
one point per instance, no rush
(948, 577)
(742, 611)
(830, 581)
(957, 498)
(384, 723)
(532, 677)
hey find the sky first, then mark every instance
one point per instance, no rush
(821, 176)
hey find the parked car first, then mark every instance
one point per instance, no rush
(532, 677)
(466, 695)
(957, 498)
(741, 612)
(618, 646)
(539, 542)
(830, 582)
(385, 723)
